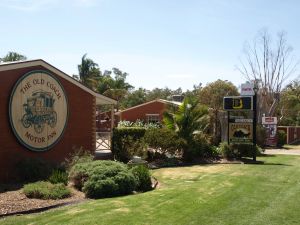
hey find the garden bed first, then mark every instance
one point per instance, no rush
(14, 201)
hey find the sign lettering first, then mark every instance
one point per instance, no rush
(238, 103)
(38, 110)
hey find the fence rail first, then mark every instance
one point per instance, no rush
(103, 141)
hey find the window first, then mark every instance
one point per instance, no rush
(152, 118)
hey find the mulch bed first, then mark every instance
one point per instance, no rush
(13, 201)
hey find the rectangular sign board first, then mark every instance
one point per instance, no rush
(269, 120)
(247, 89)
(235, 103)
(243, 120)
(240, 133)
(240, 120)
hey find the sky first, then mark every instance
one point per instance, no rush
(159, 43)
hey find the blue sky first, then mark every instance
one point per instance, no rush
(159, 42)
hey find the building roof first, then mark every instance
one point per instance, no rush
(146, 103)
(100, 99)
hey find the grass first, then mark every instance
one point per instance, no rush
(230, 194)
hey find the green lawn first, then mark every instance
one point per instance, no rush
(210, 194)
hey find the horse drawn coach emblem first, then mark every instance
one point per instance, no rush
(39, 111)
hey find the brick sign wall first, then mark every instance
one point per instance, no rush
(79, 130)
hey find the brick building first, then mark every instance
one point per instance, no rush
(149, 112)
(44, 113)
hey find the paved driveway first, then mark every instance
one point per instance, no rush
(282, 151)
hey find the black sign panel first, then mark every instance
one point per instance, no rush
(238, 103)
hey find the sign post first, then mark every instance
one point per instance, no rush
(242, 131)
(254, 125)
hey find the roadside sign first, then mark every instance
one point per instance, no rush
(247, 89)
(270, 123)
(242, 130)
(269, 120)
(240, 120)
(241, 133)
(239, 103)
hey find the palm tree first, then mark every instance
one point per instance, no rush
(89, 72)
(13, 56)
(189, 119)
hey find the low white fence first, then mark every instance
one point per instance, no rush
(103, 141)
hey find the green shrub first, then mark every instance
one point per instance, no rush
(202, 147)
(46, 190)
(143, 178)
(226, 151)
(236, 151)
(100, 179)
(58, 176)
(127, 142)
(164, 140)
(79, 155)
(34, 169)
(281, 135)
(109, 185)
(79, 174)
(244, 150)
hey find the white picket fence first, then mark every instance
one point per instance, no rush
(103, 141)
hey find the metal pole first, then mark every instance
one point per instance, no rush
(254, 124)
(228, 118)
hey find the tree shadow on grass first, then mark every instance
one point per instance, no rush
(266, 155)
(214, 162)
(259, 162)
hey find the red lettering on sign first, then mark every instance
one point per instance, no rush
(25, 87)
(34, 139)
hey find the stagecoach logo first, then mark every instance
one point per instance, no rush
(240, 133)
(38, 110)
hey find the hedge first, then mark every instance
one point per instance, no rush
(126, 142)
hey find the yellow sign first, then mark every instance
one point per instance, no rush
(237, 103)
(240, 133)
(38, 110)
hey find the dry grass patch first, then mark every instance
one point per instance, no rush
(75, 211)
(189, 173)
(122, 210)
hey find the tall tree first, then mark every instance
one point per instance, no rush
(268, 65)
(89, 72)
(13, 56)
(134, 98)
(114, 87)
(162, 93)
(195, 91)
(212, 95)
(289, 106)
